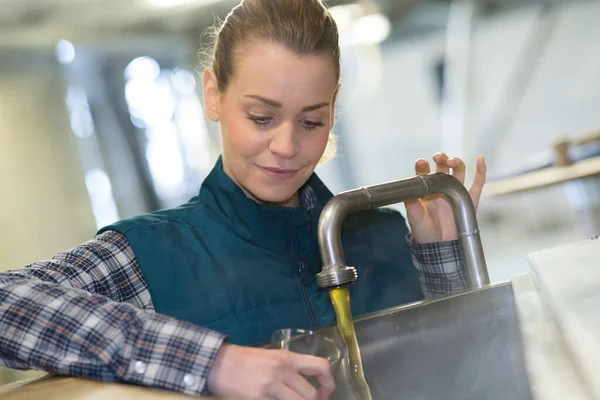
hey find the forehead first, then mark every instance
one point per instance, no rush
(268, 68)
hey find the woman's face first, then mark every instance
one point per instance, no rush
(275, 117)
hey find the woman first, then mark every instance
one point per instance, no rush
(238, 261)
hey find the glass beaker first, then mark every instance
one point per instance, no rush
(308, 342)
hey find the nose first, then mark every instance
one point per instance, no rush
(284, 142)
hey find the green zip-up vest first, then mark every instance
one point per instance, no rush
(225, 262)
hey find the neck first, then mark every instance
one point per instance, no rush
(291, 202)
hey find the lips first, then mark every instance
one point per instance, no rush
(279, 173)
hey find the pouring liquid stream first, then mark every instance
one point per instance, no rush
(340, 298)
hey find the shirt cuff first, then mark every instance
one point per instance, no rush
(173, 355)
(440, 265)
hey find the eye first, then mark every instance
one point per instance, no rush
(310, 125)
(259, 121)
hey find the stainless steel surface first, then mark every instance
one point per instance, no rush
(336, 273)
(340, 277)
(568, 281)
(466, 346)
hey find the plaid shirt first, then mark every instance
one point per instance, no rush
(87, 312)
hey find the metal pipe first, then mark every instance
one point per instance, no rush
(335, 272)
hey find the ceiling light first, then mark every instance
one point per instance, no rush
(360, 23)
(371, 29)
(65, 52)
(144, 67)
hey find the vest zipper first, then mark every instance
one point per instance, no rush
(303, 280)
(302, 275)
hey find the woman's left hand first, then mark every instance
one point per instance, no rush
(431, 218)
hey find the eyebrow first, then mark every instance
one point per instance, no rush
(277, 104)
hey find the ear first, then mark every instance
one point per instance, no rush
(211, 95)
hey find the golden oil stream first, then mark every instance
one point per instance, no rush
(340, 297)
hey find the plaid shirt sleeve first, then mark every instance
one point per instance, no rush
(87, 312)
(440, 265)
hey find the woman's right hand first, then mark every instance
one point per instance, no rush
(253, 373)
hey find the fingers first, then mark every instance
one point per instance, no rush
(480, 174)
(318, 367)
(245, 372)
(422, 167)
(478, 181)
(280, 391)
(458, 169)
(444, 164)
(292, 379)
(441, 163)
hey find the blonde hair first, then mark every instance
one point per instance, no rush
(302, 26)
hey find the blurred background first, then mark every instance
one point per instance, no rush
(101, 115)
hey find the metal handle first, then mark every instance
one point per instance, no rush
(335, 272)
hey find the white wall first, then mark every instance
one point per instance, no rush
(44, 202)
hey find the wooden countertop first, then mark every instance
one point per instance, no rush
(68, 388)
